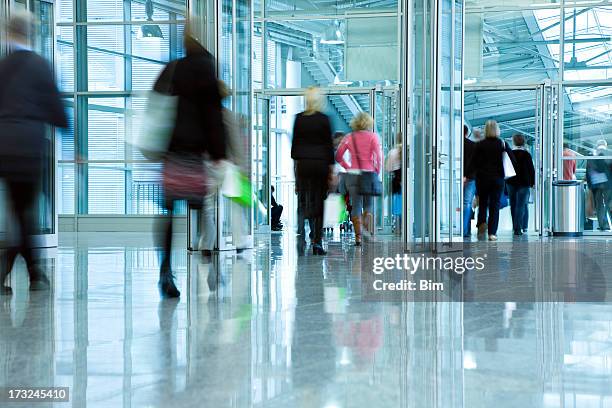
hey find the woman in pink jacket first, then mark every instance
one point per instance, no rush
(360, 151)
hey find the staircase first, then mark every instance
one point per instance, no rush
(347, 106)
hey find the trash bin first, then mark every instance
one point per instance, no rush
(568, 201)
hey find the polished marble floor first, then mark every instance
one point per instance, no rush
(269, 328)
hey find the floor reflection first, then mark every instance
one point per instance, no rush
(271, 328)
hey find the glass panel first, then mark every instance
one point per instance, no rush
(598, 194)
(64, 61)
(65, 137)
(421, 117)
(106, 188)
(43, 39)
(588, 43)
(331, 52)
(145, 195)
(65, 188)
(515, 112)
(105, 48)
(587, 122)
(104, 10)
(259, 176)
(512, 46)
(139, 11)
(106, 129)
(276, 8)
(389, 209)
(66, 10)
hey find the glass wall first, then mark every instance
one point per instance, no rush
(563, 44)
(109, 52)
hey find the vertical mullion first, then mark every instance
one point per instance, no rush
(127, 103)
(81, 110)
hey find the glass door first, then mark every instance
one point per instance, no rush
(260, 174)
(517, 110)
(43, 43)
(46, 213)
(447, 132)
(386, 122)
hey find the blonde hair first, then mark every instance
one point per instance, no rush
(314, 100)
(362, 121)
(491, 129)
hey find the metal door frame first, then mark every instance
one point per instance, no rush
(326, 91)
(545, 120)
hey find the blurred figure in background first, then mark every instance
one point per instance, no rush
(275, 213)
(363, 147)
(313, 152)
(569, 166)
(519, 186)
(394, 166)
(598, 175)
(198, 134)
(29, 100)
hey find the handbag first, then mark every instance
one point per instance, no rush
(158, 121)
(369, 183)
(504, 200)
(184, 178)
(507, 162)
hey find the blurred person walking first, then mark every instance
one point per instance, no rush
(569, 166)
(487, 164)
(313, 152)
(393, 165)
(519, 185)
(599, 179)
(365, 156)
(29, 100)
(198, 134)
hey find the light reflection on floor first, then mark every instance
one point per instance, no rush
(269, 328)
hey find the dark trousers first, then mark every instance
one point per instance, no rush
(519, 197)
(600, 199)
(21, 195)
(164, 226)
(489, 194)
(275, 215)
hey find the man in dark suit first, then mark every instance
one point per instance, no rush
(29, 101)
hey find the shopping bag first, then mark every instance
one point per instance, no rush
(504, 200)
(507, 162)
(157, 126)
(589, 208)
(333, 210)
(231, 183)
(236, 185)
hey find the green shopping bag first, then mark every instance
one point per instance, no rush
(236, 186)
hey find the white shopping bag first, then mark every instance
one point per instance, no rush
(507, 162)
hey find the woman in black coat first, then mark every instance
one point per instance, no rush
(487, 164)
(198, 131)
(313, 152)
(29, 101)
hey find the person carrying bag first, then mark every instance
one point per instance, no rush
(362, 181)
